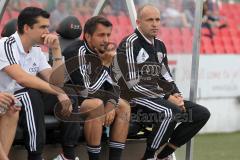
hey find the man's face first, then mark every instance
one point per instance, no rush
(149, 22)
(38, 29)
(100, 38)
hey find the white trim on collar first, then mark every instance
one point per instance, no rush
(150, 42)
(19, 43)
(89, 48)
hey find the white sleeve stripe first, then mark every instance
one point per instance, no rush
(134, 73)
(83, 70)
(130, 56)
(81, 54)
(146, 91)
(8, 50)
(82, 66)
(141, 90)
(166, 74)
(99, 82)
(128, 59)
(84, 62)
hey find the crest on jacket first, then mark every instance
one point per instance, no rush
(160, 56)
(142, 56)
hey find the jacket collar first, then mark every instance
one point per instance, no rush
(142, 37)
(88, 48)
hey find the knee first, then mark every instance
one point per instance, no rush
(205, 113)
(124, 106)
(96, 103)
(92, 108)
(201, 113)
(92, 104)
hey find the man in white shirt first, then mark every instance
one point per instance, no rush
(20, 63)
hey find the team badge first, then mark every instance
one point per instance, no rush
(160, 56)
(142, 56)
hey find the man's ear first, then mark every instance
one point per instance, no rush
(137, 22)
(26, 28)
(87, 37)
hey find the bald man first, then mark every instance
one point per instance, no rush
(144, 68)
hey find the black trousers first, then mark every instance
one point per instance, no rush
(164, 116)
(32, 120)
(70, 131)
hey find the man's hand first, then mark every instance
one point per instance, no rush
(66, 104)
(7, 101)
(107, 56)
(177, 99)
(51, 41)
(110, 114)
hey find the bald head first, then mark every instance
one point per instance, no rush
(146, 9)
(148, 21)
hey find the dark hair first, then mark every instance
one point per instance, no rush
(29, 15)
(91, 24)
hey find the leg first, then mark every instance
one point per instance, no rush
(93, 126)
(196, 119)
(198, 115)
(8, 125)
(70, 131)
(161, 113)
(32, 121)
(119, 130)
(3, 155)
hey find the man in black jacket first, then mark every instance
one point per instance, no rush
(88, 64)
(142, 60)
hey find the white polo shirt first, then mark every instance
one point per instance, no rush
(12, 52)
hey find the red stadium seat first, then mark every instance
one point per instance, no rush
(176, 39)
(202, 51)
(177, 48)
(187, 48)
(237, 49)
(225, 32)
(205, 31)
(227, 40)
(236, 41)
(217, 40)
(164, 31)
(6, 17)
(208, 49)
(124, 20)
(206, 41)
(219, 49)
(186, 32)
(234, 32)
(175, 31)
(229, 49)
(113, 20)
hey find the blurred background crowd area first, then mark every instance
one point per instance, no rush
(220, 24)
